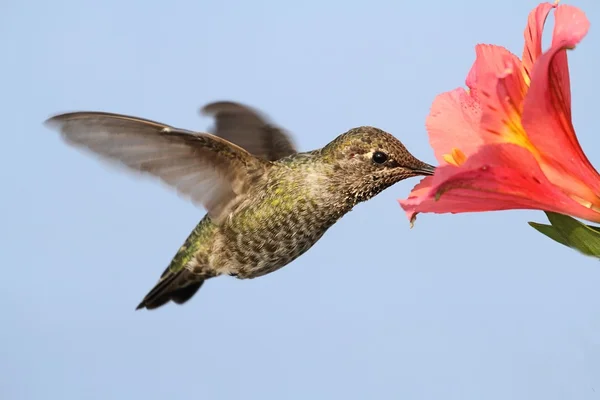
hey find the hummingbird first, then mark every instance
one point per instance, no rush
(266, 203)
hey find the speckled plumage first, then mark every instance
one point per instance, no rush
(270, 208)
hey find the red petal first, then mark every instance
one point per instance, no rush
(498, 177)
(570, 25)
(502, 90)
(489, 60)
(471, 80)
(533, 35)
(547, 107)
(454, 119)
(492, 60)
(569, 29)
(453, 122)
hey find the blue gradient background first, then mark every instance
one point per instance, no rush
(475, 306)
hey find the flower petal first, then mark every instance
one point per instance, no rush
(533, 36)
(453, 123)
(547, 106)
(571, 25)
(492, 60)
(489, 60)
(454, 120)
(569, 29)
(502, 94)
(498, 177)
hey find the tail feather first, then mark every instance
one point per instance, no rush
(182, 295)
(177, 286)
(177, 283)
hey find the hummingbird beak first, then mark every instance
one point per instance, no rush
(424, 169)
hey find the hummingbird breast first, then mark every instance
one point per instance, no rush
(276, 223)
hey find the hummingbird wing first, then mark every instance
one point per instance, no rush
(250, 130)
(211, 171)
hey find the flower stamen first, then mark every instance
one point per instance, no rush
(456, 157)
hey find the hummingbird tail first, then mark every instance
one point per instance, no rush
(177, 286)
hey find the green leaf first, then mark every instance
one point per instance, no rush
(572, 233)
(549, 231)
(595, 228)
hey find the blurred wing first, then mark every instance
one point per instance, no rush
(248, 129)
(207, 169)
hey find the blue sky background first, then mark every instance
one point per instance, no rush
(476, 306)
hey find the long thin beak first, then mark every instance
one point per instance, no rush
(424, 169)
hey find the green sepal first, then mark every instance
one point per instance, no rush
(572, 233)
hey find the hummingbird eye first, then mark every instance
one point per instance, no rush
(379, 157)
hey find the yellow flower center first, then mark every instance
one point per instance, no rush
(515, 133)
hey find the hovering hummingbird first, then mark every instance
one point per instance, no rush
(266, 203)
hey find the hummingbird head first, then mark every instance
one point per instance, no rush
(368, 160)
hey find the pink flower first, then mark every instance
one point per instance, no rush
(508, 142)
